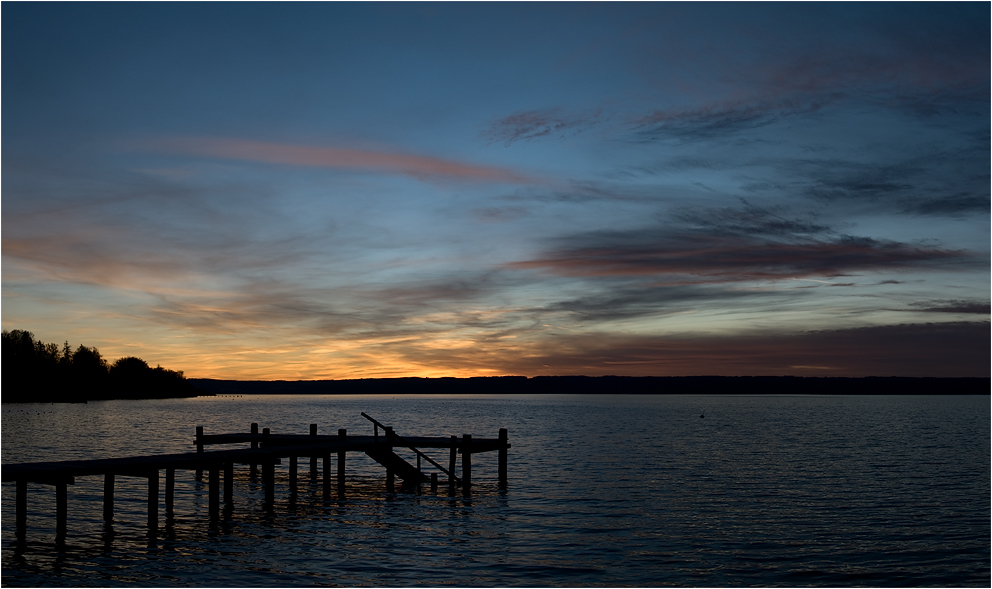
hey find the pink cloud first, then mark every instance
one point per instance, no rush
(418, 166)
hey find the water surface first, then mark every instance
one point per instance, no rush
(603, 491)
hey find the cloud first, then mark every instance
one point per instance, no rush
(883, 60)
(952, 306)
(729, 245)
(418, 166)
(953, 349)
(526, 125)
(957, 204)
(499, 214)
(719, 119)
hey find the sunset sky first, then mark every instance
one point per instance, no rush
(336, 190)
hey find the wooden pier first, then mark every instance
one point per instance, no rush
(265, 450)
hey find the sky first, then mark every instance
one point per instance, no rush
(358, 190)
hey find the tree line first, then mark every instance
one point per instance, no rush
(38, 372)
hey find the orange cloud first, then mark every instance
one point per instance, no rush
(418, 166)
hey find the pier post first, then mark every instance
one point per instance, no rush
(503, 442)
(61, 509)
(292, 474)
(21, 502)
(342, 453)
(228, 484)
(313, 459)
(327, 475)
(269, 481)
(170, 491)
(199, 449)
(433, 482)
(452, 461)
(268, 472)
(466, 462)
(390, 475)
(214, 490)
(253, 467)
(152, 500)
(108, 496)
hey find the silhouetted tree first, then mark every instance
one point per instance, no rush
(34, 371)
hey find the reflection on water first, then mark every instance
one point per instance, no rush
(603, 491)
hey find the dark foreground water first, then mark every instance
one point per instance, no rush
(603, 491)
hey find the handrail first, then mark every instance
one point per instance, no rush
(407, 445)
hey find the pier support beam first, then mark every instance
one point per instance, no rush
(252, 467)
(503, 440)
(452, 462)
(342, 453)
(228, 484)
(61, 509)
(214, 490)
(327, 476)
(390, 475)
(313, 459)
(152, 501)
(108, 497)
(170, 492)
(292, 474)
(199, 449)
(269, 481)
(21, 502)
(466, 462)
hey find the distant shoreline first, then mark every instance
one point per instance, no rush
(665, 385)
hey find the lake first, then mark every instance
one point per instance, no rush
(617, 490)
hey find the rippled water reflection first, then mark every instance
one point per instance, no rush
(603, 491)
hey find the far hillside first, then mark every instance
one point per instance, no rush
(36, 372)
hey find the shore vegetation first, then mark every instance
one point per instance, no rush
(39, 372)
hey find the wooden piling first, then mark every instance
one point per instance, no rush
(269, 481)
(452, 461)
(268, 472)
(108, 496)
(252, 466)
(390, 475)
(342, 437)
(313, 459)
(61, 509)
(152, 500)
(327, 475)
(503, 441)
(21, 502)
(199, 449)
(433, 482)
(214, 490)
(292, 474)
(170, 491)
(228, 484)
(466, 461)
